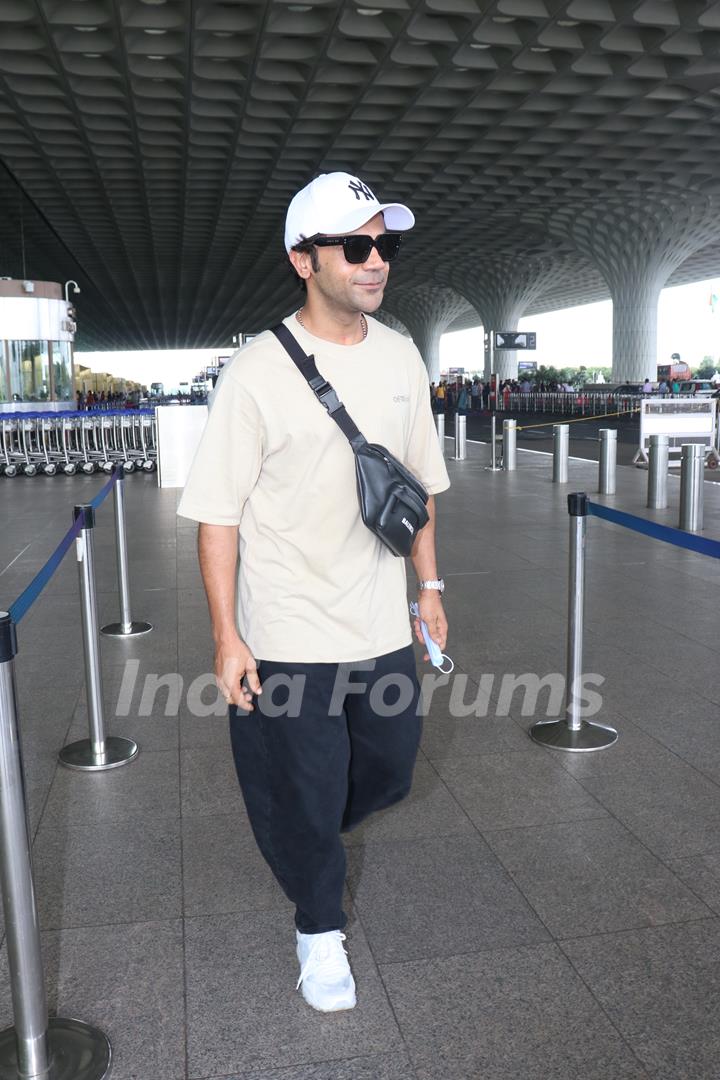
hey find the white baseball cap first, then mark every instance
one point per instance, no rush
(337, 203)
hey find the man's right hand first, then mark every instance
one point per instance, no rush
(233, 663)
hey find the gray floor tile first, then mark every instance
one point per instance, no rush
(450, 739)
(660, 988)
(436, 897)
(501, 791)
(209, 783)
(375, 1067)
(126, 980)
(701, 873)
(146, 786)
(670, 806)
(91, 875)
(588, 877)
(504, 1015)
(223, 870)
(429, 810)
(207, 731)
(245, 1014)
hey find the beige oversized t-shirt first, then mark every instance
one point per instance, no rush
(315, 585)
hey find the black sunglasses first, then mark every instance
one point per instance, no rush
(357, 248)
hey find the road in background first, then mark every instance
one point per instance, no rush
(535, 433)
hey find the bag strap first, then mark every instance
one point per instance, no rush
(320, 387)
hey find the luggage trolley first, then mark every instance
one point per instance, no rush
(11, 455)
(30, 443)
(91, 453)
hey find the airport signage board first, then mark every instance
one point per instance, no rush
(514, 339)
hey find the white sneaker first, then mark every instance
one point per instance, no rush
(325, 976)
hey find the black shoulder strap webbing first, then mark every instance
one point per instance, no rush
(320, 387)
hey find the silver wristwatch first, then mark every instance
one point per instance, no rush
(438, 585)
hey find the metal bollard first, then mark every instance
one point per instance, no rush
(493, 466)
(608, 461)
(691, 487)
(126, 627)
(460, 437)
(574, 733)
(658, 472)
(509, 445)
(35, 1048)
(97, 752)
(561, 451)
(440, 424)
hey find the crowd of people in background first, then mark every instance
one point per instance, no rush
(473, 395)
(111, 400)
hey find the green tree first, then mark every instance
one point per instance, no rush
(706, 369)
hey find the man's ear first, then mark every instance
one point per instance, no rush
(302, 263)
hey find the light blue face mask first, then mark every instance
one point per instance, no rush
(437, 658)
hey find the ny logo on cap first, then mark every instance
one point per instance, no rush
(361, 189)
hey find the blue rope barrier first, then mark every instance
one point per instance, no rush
(700, 544)
(29, 595)
(105, 491)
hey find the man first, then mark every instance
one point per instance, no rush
(321, 613)
(647, 387)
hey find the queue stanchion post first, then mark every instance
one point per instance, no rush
(510, 445)
(657, 498)
(440, 423)
(98, 752)
(493, 466)
(126, 627)
(608, 461)
(561, 452)
(35, 1048)
(691, 487)
(460, 437)
(573, 733)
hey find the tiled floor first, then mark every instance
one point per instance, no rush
(525, 914)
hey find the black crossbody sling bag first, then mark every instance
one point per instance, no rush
(392, 501)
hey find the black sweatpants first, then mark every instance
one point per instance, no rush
(349, 750)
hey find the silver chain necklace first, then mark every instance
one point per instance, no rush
(363, 323)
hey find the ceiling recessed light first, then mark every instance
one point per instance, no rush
(539, 48)
(221, 33)
(155, 3)
(503, 18)
(153, 57)
(299, 8)
(92, 55)
(85, 29)
(478, 45)
(368, 11)
(155, 31)
(568, 22)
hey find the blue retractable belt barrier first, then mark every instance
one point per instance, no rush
(29, 595)
(701, 544)
(105, 491)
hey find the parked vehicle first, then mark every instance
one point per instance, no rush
(698, 388)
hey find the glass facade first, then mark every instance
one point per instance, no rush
(3, 378)
(62, 371)
(25, 371)
(29, 370)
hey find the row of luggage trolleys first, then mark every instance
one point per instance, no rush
(50, 444)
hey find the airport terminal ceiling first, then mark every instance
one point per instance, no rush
(149, 149)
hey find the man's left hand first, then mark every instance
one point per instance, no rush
(432, 613)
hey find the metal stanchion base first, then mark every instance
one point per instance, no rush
(558, 736)
(80, 755)
(77, 1052)
(115, 629)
